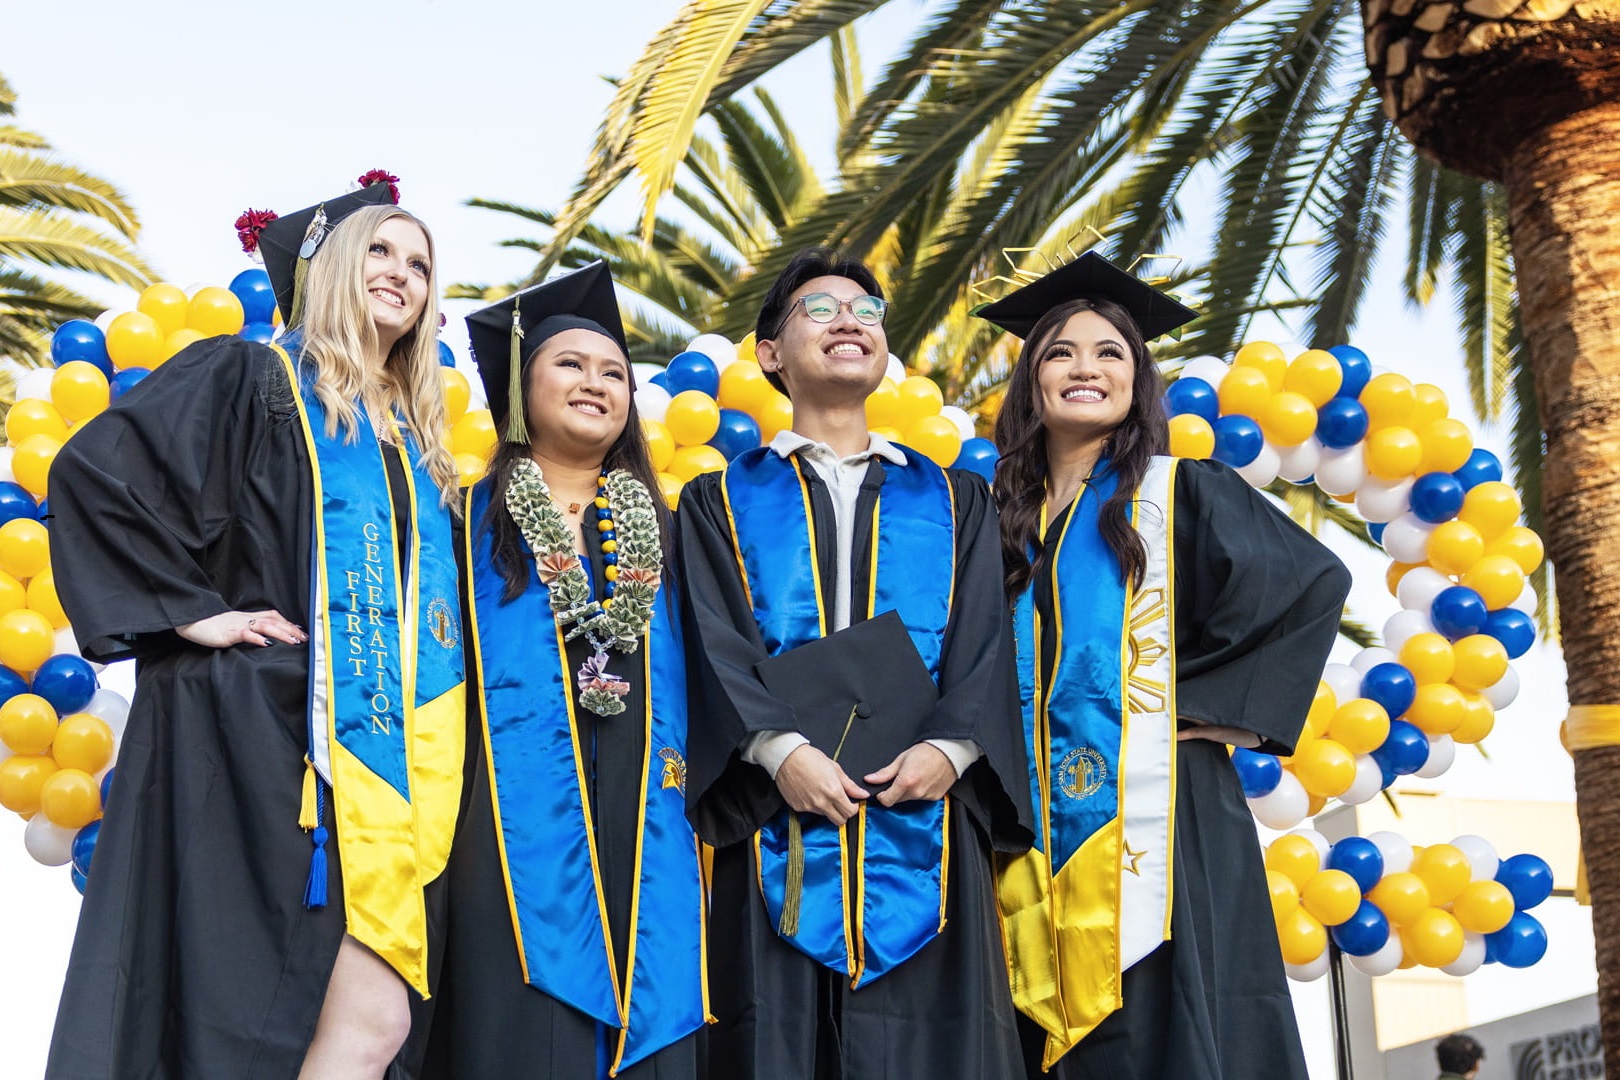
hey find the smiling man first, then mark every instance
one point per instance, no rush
(852, 896)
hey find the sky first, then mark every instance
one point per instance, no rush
(198, 111)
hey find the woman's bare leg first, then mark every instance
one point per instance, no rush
(364, 1021)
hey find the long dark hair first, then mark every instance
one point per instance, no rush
(507, 548)
(1020, 437)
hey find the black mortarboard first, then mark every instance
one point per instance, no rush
(1089, 276)
(289, 242)
(506, 333)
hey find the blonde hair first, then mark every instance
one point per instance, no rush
(338, 335)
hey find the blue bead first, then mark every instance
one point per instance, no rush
(609, 534)
(611, 557)
(603, 512)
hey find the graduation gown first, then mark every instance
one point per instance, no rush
(487, 1023)
(945, 1011)
(1258, 603)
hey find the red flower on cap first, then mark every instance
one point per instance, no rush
(250, 225)
(381, 176)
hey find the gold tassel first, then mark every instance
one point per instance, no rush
(517, 427)
(793, 890)
(306, 811)
(300, 272)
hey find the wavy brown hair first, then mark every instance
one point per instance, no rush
(1020, 436)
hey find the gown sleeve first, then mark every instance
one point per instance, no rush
(140, 493)
(1258, 604)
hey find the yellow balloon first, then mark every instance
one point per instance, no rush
(1438, 709)
(883, 405)
(660, 443)
(1428, 405)
(1332, 896)
(42, 598)
(1360, 725)
(894, 435)
(743, 386)
(1445, 870)
(31, 462)
(21, 778)
(83, 742)
(1454, 546)
(1435, 939)
(919, 397)
(670, 488)
(166, 304)
(470, 469)
(1446, 445)
(25, 548)
(1316, 374)
(1401, 897)
(134, 339)
(1429, 657)
(690, 461)
(774, 416)
(745, 348)
(1295, 857)
(1323, 706)
(1483, 907)
(1325, 768)
(70, 798)
(27, 724)
(936, 438)
(692, 418)
(1288, 419)
(1491, 507)
(1522, 545)
(32, 416)
(178, 341)
(27, 640)
(1301, 937)
(1284, 895)
(79, 391)
(1244, 392)
(1393, 452)
(457, 393)
(1481, 661)
(474, 434)
(214, 311)
(1497, 578)
(1267, 359)
(1191, 437)
(13, 593)
(1478, 720)
(1388, 399)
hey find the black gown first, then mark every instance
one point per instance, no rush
(486, 1022)
(947, 1011)
(1258, 603)
(195, 956)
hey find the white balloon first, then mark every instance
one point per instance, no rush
(1299, 463)
(1212, 369)
(1344, 681)
(1318, 841)
(1472, 955)
(1483, 861)
(1403, 626)
(35, 383)
(716, 347)
(111, 706)
(5, 751)
(105, 319)
(1527, 601)
(1383, 500)
(1383, 961)
(1418, 588)
(959, 416)
(1442, 752)
(1407, 538)
(1342, 471)
(48, 843)
(66, 643)
(1368, 783)
(1396, 850)
(1367, 659)
(6, 474)
(644, 372)
(1503, 691)
(652, 401)
(896, 370)
(1284, 806)
(1308, 972)
(1263, 469)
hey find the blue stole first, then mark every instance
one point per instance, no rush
(862, 913)
(387, 684)
(543, 818)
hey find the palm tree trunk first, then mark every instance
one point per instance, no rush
(1563, 189)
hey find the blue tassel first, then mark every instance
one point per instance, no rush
(315, 890)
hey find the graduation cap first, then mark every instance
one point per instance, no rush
(506, 333)
(289, 242)
(1089, 277)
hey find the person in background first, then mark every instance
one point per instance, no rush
(1459, 1057)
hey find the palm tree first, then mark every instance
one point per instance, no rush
(54, 217)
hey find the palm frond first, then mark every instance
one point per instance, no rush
(29, 179)
(848, 85)
(49, 239)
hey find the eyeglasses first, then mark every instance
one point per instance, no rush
(824, 308)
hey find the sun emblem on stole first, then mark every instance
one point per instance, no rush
(441, 623)
(1082, 772)
(1142, 694)
(674, 769)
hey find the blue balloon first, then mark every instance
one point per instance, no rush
(67, 682)
(123, 382)
(1406, 749)
(661, 379)
(1341, 422)
(1392, 686)
(1364, 933)
(84, 846)
(978, 454)
(447, 358)
(253, 288)
(1385, 769)
(80, 882)
(738, 432)
(1457, 612)
(81, 339)
(106, 784)
(262, 332)
(1195, 397)
(1528, 878)
(1360, 858)
(1356, 367)
(1481, 467)
(11, 684)
(15, 502)
(1514, 629)
(1237, 440)
(45, 512)
(1375, 529)
(692, 371)
(1437, 497)
(1258, 773)
(1520, 943)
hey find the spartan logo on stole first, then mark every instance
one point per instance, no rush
(1082, 772)
(441, 623)
(674, 775)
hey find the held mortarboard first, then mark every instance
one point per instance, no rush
(1094, 277)
(506, 334)
(289, 242)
